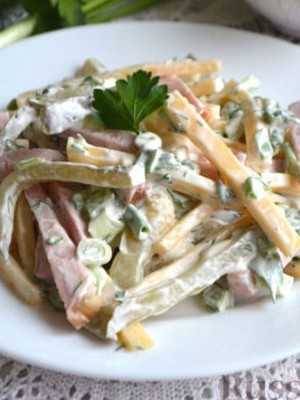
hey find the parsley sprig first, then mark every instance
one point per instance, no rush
(131, 101)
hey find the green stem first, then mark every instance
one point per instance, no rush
(121, 11)
(18, 31)
(92, 5)
(107, 5)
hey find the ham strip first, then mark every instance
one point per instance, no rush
(111, 139)
(9, 159)
(4, 118)
(75, 283)
(174, 83)
(42, 268)
(69, 217)
(241, 284)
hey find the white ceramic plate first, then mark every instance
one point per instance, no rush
(190, 343)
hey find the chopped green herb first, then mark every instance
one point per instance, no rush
(293, 215)
(218, 298)
(254, 187)
(120, 295)
(224, 192)
(78, 148)
(137, 222)
(263, 143)
(54, 239)
(30, 162)
(268, 266)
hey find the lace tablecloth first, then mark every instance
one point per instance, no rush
(279, 380)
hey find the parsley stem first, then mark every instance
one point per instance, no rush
(92, 5)
(120, 11)
(18, 31)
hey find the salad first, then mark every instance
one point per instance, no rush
(124, 192)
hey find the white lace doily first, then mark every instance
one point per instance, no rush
(279, 380)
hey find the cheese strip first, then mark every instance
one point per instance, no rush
(263, 209)
(293, 270)
(188, 67)
(206, 87)
(283, 183)
(79, 151)
(182, 227)
(15, 277)
(134, 337)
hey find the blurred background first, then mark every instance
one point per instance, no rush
(273, 17)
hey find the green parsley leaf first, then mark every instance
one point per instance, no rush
(131, 102)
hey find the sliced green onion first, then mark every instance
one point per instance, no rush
(100, 275)
(153, 160)
(137, 222)
(54, 239)
(106, 225)
(254, 187)
(263, 143)
(30, 162)
(218, 298)
(276, 133)
(224, 192)
(97, 201)
(148, 141)
(94, 251)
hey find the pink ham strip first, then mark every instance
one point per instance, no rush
(295, 108)
(4, 117)
(9, 159)
(71, 277)
(295, 129)
(111, 139)
(42, 268)
(241, 284)
(284, 259)
(175, 83)
(295, 139)
(69, 217)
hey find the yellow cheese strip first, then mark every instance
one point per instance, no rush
(189, 183)
(263, 209)
(14, 276)
(188, 67)
(134, 337)
(293, 270)
(79, 151)
(182, 227)
(206, 87)
(283, 183)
